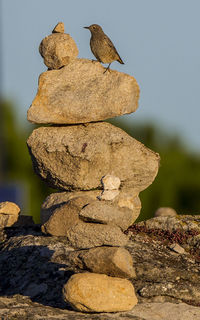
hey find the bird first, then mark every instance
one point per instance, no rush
(102, 47)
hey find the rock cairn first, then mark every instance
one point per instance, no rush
(98, 167)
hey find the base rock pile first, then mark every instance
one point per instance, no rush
(98, 167)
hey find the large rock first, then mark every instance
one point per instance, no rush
(39, 265)
(126, 199)
(58, 49)
(81, 92)
(24, 308)
(92, 292)
(65, 221)
(113, 261)
(77, 157)
(9, 213)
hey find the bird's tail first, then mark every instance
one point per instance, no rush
(120, 60)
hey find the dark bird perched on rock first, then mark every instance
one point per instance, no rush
(102, 47)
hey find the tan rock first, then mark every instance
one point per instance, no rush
(80, 92)
(91, 292)
(59, 28)
(110, 182)
(9, 213)
(113, 261)
(58, 49)
(76, 157)
(165, 211)
(125, 199)
(106, 213)
(65, 222)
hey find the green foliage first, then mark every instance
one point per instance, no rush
(177, 184)
(16, 165)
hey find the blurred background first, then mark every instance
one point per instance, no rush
(159, 43)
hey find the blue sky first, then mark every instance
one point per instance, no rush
(158, 41)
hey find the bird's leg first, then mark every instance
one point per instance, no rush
(108, 68)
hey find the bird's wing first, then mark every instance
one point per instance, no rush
(109, 42)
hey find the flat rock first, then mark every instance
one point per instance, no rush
(58, 49)
(92, 292)
(125, 199)
(80, 92)
(77, 157)
(65, 222)
(9, 213)
(112, 261)
(23, 308)
(173, 223)
(102, 212)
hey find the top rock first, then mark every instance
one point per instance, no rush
(58, 48)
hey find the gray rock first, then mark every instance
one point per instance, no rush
(80, 92)
(165, 211)
(102, 212)
(19, 307)
(113, 261)
(181, 222)
(58, 49)
(65, 222)
(125, 200)
(77, 157)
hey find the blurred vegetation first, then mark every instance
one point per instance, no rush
(15, 162)
(177, 184)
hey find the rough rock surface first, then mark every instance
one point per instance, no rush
(22, 308)
(165, 211)
(125, 200)
(101, 212)
(38, 266)
(81, 92)
(9, 213)
(182, 222)
(59, 28)
(93, 292)
(65, 221)
(77, 157)
(113, 261)
(58, 49)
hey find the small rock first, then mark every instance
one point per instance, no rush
(58, 49)
(80, 92)
(9, 213)
(113, 261)
(108, 195)
(92, 292)
(102, 212)
(177, 248)
(110, 182)
(59, 28)
(165, 211)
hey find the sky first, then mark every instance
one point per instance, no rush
(158, 40)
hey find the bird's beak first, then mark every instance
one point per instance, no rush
(86, 27)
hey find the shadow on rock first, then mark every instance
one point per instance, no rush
(29, 271)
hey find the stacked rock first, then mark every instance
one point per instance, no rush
(100, 168)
